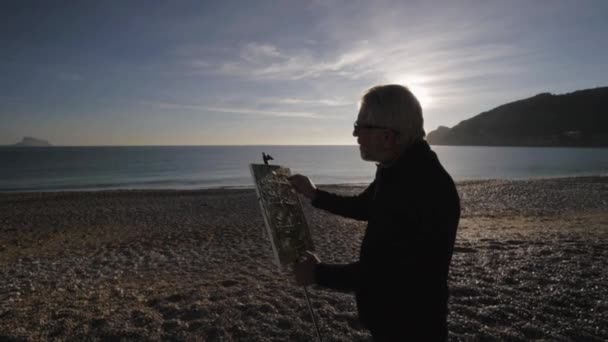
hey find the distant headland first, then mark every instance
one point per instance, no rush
(32, 142)
(575, 119)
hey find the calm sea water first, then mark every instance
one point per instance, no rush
(194, 167)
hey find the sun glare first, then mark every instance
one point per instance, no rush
(414, 84)
(422, 94)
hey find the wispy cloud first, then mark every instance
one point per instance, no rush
(234, 110)
(444, 61)
(268, 61)
(265, 112)
(367, 60)
(331, 102)
(356, 47)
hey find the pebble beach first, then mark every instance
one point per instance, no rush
(530, 263)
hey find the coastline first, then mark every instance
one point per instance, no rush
(529, 263)
(93, 189)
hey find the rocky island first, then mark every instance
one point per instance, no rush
(32, 142)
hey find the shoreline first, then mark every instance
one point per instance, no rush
(251, 187)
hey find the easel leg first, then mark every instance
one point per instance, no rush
(312, 314)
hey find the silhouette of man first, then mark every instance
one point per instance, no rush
(412, 211)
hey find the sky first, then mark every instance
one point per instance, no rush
(278, 72)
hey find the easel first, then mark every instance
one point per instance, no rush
(312, 314)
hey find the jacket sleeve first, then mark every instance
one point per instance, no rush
(338, 277)
(355, 207)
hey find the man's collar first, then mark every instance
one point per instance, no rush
(408, 152)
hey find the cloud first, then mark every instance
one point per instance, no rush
(254, 52)
(267, 61)
(437, 58)
(359, 45)
(270, 62)
(235, 110)
(331, 102)
(265, 112)
(454, 54)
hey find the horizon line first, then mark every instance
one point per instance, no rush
(176, 145)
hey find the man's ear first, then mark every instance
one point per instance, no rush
(390, 139)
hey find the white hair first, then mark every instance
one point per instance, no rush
(394, 106)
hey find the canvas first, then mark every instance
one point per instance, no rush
(285, 221)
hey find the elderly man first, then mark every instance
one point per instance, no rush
(412, 209)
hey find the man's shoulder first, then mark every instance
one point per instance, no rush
(426, 176)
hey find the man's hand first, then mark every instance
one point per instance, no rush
(304, 270)
(303, 185)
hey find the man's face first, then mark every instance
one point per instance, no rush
(371, 139)
(370, 145)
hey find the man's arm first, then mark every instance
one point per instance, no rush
(355, 207)
(310, 270)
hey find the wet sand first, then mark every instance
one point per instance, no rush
(531, 262)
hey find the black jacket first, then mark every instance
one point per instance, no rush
(400, 280)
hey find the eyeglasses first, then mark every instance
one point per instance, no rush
(357, 127)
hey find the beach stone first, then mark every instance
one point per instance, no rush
(229, 283)
(141, 318)
(178, 297)
(215, 333)
(194, 313)
(174, 324)
(97, 323)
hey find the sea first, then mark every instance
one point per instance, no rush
(204, 167)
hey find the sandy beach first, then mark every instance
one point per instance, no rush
(531, 263)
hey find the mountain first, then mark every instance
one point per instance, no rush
(575, 119)
(32, 142)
